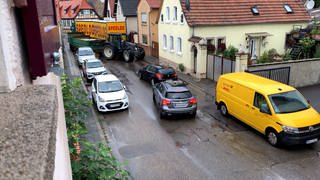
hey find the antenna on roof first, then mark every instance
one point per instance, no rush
(187, 2)
(309, 4)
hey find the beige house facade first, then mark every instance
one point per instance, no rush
(187, 30)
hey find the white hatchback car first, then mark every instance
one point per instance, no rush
(108, 93)
(93, 67)
(84, 53)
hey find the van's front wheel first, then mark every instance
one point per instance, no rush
(273, 138)
(223, 109)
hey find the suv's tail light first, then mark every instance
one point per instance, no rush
(159, 76)
(193, 101)
(165, 102)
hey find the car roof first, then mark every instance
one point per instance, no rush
(161, 67)
(93, 60)
(175, 86)
(106, 77)
(258, 83)
(85, 48)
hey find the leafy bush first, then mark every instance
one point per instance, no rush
(286, 56)
(317, 52)
(181, 67)
(97, 162)
(230, 52)
(93, 161)
(271, 54)
(307, 43)
(264, 58)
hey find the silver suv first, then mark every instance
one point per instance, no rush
(84, 53)
(93, 67)
(172, 97)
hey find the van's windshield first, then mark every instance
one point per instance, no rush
(288, 102)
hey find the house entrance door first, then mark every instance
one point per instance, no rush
(195, 54)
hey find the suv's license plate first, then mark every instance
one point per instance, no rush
(311, 141)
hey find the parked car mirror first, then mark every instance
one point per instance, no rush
(124, 87)
(93, 90)
(265, 109)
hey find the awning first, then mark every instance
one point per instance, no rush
(194, 39)
(258, 34)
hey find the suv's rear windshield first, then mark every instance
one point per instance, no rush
(95, 64)
(179, 95)
(166, 70)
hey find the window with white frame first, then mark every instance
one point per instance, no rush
(143, 18)
(161, 18)
(167, 14)
(171, 40)
(181, 18)
(164, 41)
(179, 45)
(175, 13)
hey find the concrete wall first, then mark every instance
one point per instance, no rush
(13, 71)
(302, 72)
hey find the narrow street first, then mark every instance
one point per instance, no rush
(208, 147)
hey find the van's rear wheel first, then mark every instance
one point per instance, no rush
(223, 109)
(272, 137)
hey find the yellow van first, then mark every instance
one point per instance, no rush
(277, 110)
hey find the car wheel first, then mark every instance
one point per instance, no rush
(153, 99)
(223, 109)
(152, 82)
(139, 75)
(193, 115)
(162, 114)
(108, 52)
(273, 138)
(93, 102)
(128, 56)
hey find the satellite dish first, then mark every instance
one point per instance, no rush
(309, 4)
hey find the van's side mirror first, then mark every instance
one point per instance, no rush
(265, 109)
(308, 101)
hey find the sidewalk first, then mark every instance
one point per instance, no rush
(207, 86)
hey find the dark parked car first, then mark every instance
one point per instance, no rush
(173, 98)
(155, 74)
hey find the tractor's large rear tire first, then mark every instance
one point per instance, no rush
(128, 55)
(109, 52)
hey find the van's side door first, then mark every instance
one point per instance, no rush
(260, 120)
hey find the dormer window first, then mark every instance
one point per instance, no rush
(288, 8)
(255, 10)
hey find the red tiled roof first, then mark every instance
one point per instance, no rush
(154, 3)
(77, 5)
(218, 12)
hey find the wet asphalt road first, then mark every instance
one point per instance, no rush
(208, 147)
